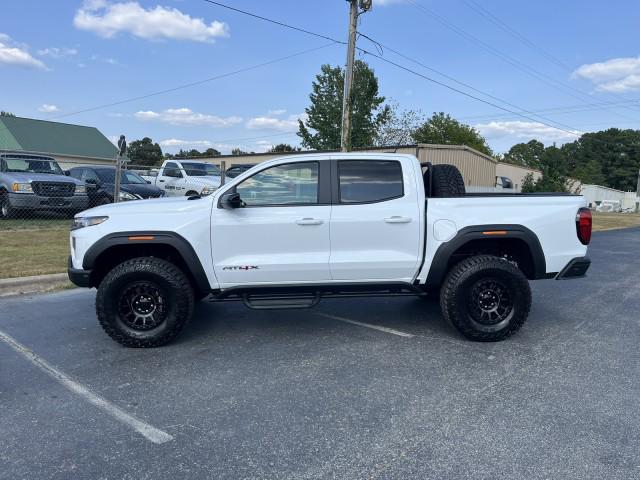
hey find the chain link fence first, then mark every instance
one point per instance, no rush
(40, 196)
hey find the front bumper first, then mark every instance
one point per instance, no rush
(79, 277)
(576, 268)
(35, 202)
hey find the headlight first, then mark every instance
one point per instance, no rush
(128, 196)
(81, 189)
(22, 188)
(208, 190)
(81, 222)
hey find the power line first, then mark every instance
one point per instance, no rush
(276, 22)
(478, 8)
(193, 84)
(567, 130)
(567, 90)
(462, 83)
(514, 33)
(433, 80)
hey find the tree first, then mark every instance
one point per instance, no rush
(528, 183)
(238, 151)
(443, 129)
(144, 152)
(399, 126)
(6, 114)
(321, 130)
(609, 157)
(284, 147)
(525, 154)
(553, 164)
(211, 152)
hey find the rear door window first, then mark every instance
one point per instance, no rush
(369, 181)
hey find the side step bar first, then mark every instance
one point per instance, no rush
(307, 296)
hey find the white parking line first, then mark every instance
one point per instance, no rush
(149, 432)
(367, 325)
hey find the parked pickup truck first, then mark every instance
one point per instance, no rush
(32, 183)
(296, 229)
(187, 178)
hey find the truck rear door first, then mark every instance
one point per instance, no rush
(375, 220)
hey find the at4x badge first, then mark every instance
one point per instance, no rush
(242, 267)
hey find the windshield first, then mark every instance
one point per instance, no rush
(200, 169)
(127, 178)
(32, 166)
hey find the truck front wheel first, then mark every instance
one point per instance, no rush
(6, 210)
(486, 298)
(144, 302)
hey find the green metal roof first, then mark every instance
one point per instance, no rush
(30, 135)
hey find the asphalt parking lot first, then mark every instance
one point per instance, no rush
(321, 394)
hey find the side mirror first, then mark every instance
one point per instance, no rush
(231, 200)
(148, 181)
(91, 181)
(67, 173)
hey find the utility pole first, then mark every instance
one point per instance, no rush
(345, 140)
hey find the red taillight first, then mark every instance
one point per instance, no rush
(583, 225)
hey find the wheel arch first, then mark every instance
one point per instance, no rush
(516, 240)
(116, 248)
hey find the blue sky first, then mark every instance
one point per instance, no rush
(57, 58)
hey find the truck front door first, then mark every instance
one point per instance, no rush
(281, 234)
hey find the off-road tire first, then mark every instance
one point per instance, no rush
(460, 291)
(446, 181)
(175, 291)
(6, 210)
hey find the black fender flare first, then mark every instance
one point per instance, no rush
(179, 243)
(441, 258)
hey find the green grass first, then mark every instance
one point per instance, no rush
(33, 247)
(35, 224)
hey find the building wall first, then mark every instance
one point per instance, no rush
(478, 170)
(597, 193)
(516, 174)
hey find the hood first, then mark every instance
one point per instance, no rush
(212, 180)
(145, 207)
(25, 177)
(144, 190)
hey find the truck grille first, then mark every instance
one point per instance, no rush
(53, 189)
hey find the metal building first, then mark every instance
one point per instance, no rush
(478, 169)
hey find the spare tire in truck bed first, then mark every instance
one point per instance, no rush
(446, 181)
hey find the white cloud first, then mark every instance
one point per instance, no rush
(270, 122)
(174, 142)
(46, 108)
(614, 75)
(186, 116)
(524, 131)
(277, 112)
(12, 53)
(107, 19)
(55, 52)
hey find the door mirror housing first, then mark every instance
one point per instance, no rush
(231, 200)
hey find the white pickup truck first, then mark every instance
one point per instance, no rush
(293, 230)
(185, 178)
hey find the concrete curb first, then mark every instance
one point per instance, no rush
(35, 284)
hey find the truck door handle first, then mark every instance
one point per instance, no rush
(310, 221)
(161, 181)
(397, 219)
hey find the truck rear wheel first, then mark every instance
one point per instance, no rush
(144, 302)
(486, 298)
